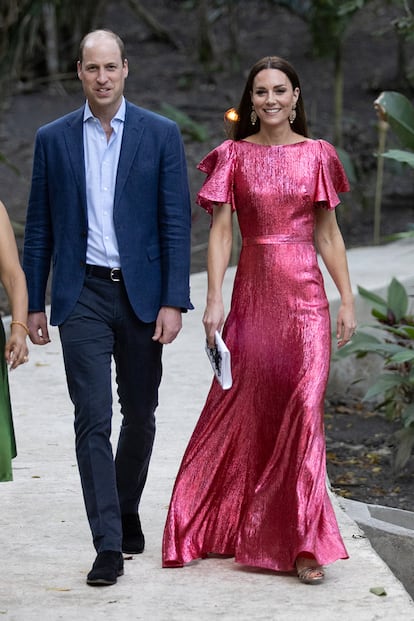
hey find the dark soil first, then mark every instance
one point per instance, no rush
(359, 442)
(360, 457)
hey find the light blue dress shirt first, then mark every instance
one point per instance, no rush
(101, 165)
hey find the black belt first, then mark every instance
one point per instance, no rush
(107, 273)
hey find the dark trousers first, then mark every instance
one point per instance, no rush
(103, 326)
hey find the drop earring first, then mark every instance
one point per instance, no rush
(253, 116)
(292, 115)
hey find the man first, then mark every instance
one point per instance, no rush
(109, 207)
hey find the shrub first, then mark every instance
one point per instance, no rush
(393, 389)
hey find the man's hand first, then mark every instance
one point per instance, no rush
(37, 324)
(168, 324)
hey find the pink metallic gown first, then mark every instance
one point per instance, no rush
(252, 480)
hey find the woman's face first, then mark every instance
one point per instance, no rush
(273, 97)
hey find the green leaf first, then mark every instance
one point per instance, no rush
(409, 331)
(405, 447)
(383, 384)
(396, 302)
(401, 331)
(384, 349)
(378, 591)
(379, 315)
(403, 235)
(361, 342)
(397, 299)
(380, 305)
(406, 157)
(350, 7)
(404, 356)
(408, 415)
(399, 112)
(372, 297)
(185, 123)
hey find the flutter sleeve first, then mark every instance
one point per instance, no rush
(331, 178)
(218, 186)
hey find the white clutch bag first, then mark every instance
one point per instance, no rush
(220, 361)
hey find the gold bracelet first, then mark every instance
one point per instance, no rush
(21, 324)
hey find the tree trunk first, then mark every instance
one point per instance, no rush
(205, 46)
(52, 51)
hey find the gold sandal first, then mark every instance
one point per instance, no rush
(311, 575)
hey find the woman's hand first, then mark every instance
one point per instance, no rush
(16, 350)
(345, 323)
(213, 319)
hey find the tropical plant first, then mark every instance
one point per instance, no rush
(393, 389)
(395, 111)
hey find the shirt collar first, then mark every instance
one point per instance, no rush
(119, 115)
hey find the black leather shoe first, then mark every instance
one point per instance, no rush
(133, 541)
(107, 567)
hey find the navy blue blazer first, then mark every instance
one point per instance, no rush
(152, 215)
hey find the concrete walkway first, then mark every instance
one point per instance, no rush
(45, 545)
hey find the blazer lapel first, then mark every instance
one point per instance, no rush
(131, 138)
(74, 142)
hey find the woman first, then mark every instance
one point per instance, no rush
(15, 349)
(252, 480)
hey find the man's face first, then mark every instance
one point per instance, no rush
(102, 73)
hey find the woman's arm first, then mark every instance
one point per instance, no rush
(330, 244)
(14, 282)
(218, 257)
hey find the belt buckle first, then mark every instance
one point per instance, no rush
(115, 274)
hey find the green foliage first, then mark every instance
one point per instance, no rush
(394, 388)
(404, 24)
(196, 131)
(399, 113)
(396, 111)
(403, 235)
(394, 308)
(329, 22)
(405, 157)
